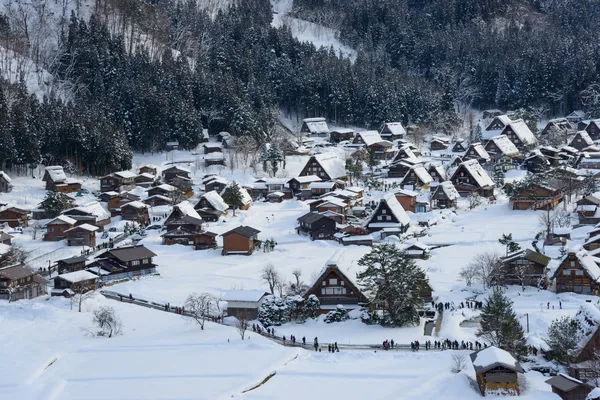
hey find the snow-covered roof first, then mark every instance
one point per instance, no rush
(422, 174)
(5, 176)
(491, 357)
(585, 136)
(316, 125)
(395, 128)
(588, 321)
(213, 145)
(520, 128)
(505, 145)
(478, 173)
(449, 190)
(56, 173)
(125, 174)
(396, 209)
(438, 168)
(306, 179)
(85, 227)
(321, 185)
(215, 200)
(417, 244)
(480, 150)
(147, 175)
(405, 192)
(370, 137)
(275, 181)
(245, 295)
(165, 186)
(178, 168)
(246, 198)
(333, 200)
(594, 394)
(93, 208)
(62, 219)
(135, 204)
(215, 179)
(586, 260)
(187, 208)
(357, 238)
(78, 276)
(331, 164)
(214, 156)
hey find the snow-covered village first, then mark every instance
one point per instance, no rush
(299, 199)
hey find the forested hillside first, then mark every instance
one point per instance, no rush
(491, 53)
(129, 75)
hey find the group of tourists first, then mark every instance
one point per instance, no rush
(388, 344)
(449, 305)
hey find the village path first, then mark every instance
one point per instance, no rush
(112, 295)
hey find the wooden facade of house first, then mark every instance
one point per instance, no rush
(526, 267)
(144, 179)
(82, 235)
(14, 217)
(332, 287)
(536, 197)
(20, 282)
(5, 185)
(123, 263)
(158, 200)
(135, 211)
(407, 199)
(75, 282)
(56, 228)
(316, 226)
(593, 129)
(470, 178)
(569, 388)
(459, 146)
(577, 273)
(338, 135)
(399, 169)
(70, 264)
(241, 240)
(117, 181)
(496, 371)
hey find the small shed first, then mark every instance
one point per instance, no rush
(75, 282)
(240, 240)
(496, 371)
(244, 303)
(569, 388)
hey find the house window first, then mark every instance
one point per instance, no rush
(333, 281)
(379, 218)
(567, 272)
(324, 283)
(572, 263)
(388, 217)
(579, 272)
(3, 284)
(333, 291)
(342, 283)
(384, 211)
(135, 262)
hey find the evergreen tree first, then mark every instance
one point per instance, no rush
(507, 241)
(394, 282)
(233, 196)
(55, 203)
(563, 338)
(499, 325)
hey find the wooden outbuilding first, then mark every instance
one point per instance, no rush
(316, 226)
(244, 304)
(497, 371)
(569, 388)
(75, 282)
(71, 264)
(240, 240)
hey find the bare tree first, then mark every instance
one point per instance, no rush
(241, 323)
(297, 274)
(547, 221)
(107, 321)
(80, 295)
(487, 267)
(469, 274)
(280, 285)
(270, 276)
(199, 307)
(36, 227)
(459, 363)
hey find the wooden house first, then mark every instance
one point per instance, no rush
(552, 154)
(577, 272)
(332, 287)
(491, 113)
(525, 267)
(439, 143)
(584, 355)
(407, 199)
(496, 371)
(118, 181)
(144, 179)
(214, 159)
(244, 304)
(71, 264)
(569, 388)
(593, 129)
(444, 195)
(5, 182)
(82, 235)
(158, 200)
(91, 213)
(339, 135)
(54, 175)
(123, 263)
(176, 176)
(417, 250)
(56, 228)
(211, 206)
(536, 162)
(519, 133)
(314, 126)
(382, 149)
(497, 124)
(184, 216)
(592, 243)
(388, 214)
(392, 131)
(165, 190)
(581, 140)
(536, 197)
(212, 147)
(327, 166)
(117, 201)
(149, 169)
(405, 153)
(557, 125)
(316, 226)
(300, 183)
(246, 199)
(576, 116)
(20, 282)
(459, 146)
(172, 145)
(476, 151)
(240, 240)
(417, 177)
(318, 189)
(14, 217)
(470, 178)
(500, 146)
(135, 211)
(183, 235)
(399, 169)
(436, 171)
(357, 240)
(75, 282)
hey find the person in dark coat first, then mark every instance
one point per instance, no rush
(316, 344)
(304, 340)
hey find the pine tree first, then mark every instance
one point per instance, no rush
(499, 325)
(508, 242)
(394, 282)
(563, 338)
(232, 195)
(55, 203)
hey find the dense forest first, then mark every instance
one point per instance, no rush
(417, 60)
(490, 53)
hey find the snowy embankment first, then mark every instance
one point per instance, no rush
(310, 32)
